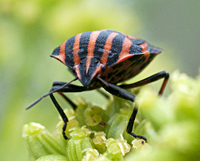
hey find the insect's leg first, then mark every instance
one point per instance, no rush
(62, 114)
(69, 88)
(150, 79)
(60, 87)
(131, 122)
(117, 91)
(74, 106)
(70, 102)
(58, 83)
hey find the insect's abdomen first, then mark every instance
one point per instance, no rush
(131, 66)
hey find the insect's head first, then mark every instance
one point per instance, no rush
(87, 69)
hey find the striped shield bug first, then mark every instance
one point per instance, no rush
(104, 58)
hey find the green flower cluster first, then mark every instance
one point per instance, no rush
(171, 125)
(94, 134)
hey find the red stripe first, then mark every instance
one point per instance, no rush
(88, 64)
(98, 70)
(91, 45)
(61, 55)
(144, 49)
(76, 49)
(144, 46)
(107, 48)
(124, 54)
(78, 72)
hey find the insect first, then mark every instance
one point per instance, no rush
(104, 58)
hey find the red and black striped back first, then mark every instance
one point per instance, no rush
(119, 53)
(107, 46)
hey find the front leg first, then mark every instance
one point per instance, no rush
(62, 114)
(69, 88)
(60, 87)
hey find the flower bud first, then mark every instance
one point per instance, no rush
(78, 144)
(40, 141)
(116, 149)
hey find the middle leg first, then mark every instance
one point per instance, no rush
(117, 91)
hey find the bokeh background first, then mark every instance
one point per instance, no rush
(30, 30)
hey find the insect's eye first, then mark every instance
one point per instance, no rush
(74, 68)
(103, 67)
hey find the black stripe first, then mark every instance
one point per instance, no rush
(87, 77)
(137, 41)
(83, 45)
(56, 52)
(149, 47)
(82, 66)
(116, 48)
(100, 43)
(94, 63)
(69, 59)
(135, 49)
(154, 50)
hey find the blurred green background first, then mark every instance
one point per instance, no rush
(30, 30)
